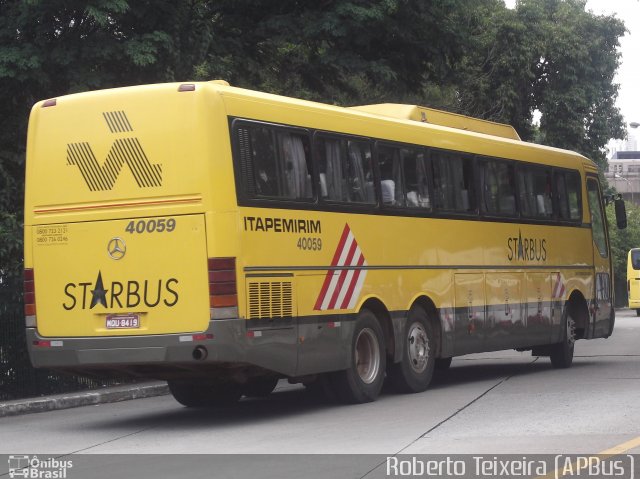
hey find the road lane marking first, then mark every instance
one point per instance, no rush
(601, 456)
(622, 448)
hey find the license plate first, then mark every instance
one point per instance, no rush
(123, 321)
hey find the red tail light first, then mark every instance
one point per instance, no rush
(223, 292)
(29, 297)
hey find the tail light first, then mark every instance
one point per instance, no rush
(29, 298)
(223, 292)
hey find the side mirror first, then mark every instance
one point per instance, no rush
(621, 213)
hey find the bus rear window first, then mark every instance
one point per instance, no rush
(635, 259)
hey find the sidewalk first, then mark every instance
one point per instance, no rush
(83, 398)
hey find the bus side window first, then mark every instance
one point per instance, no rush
(568, 193)
(279, 162)
(415, 175)
(452, 182)
(263, 157)
(294, 165)
(574, 195)
(498, 188)
(390, 176)
(535, 192)
(345, 170)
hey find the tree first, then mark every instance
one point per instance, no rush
(576, 93)
(551, 56)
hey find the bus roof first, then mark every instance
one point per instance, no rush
(442, 118)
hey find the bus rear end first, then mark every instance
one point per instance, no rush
(120, 274)
(633, 279)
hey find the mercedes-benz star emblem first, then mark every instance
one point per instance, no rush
(116, 248)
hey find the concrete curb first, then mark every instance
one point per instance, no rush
(84, 398)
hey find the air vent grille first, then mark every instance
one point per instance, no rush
(272, 299)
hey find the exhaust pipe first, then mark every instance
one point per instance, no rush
(200, 353)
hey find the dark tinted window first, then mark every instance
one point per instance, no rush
(345, 170)
(414, 167)
(535, 192)
(498, 191)
(391, 183)
(568, 189)
(275, 162)
(452, 182)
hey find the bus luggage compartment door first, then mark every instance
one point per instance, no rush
(121, 277)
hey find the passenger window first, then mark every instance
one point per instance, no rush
(597, 217)
(452, 182)
(535, 192)
(390, 176)
(415, 178)
(276, 162)
(568, 194)
(497, 186)
(345, 170)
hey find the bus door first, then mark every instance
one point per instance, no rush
(602, 299)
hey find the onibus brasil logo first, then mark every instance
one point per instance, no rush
(33, 467)
(124, 150)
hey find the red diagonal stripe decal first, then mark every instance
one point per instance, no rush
(334, 262)
(352, 284)
(343, 275)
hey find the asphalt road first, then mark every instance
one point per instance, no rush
(493, 403)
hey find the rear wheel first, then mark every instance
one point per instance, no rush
(363, 379)
(195, 393)
(414, 372)
(561, 354)
(637, 312)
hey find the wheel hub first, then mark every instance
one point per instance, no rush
(367, 354)
(418, 347)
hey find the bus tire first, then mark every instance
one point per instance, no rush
(561, 354)
(362, 381)
(259, 387)
(414, 372)
(194, 393)
(637, 312)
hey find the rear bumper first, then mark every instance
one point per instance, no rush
(231, 345)
(634, 304)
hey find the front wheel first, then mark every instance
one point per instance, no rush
(414, 372)
(362, 381)
(561, 354)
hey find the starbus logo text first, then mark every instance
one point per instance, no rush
(121, 294)
(526, 249)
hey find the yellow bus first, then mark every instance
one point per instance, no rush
(633, 279)
(223, 239)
